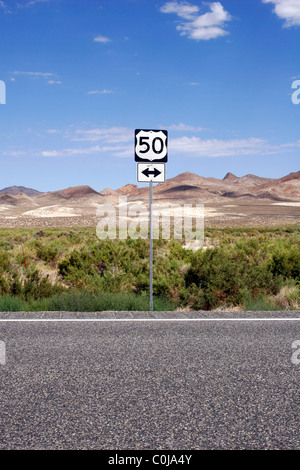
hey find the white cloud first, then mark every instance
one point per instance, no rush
(102, 39)
(32, 3)
(99, 92)
(70, 151)
(108, 141)
(34, 74)
(14, 153)
(106, 150)
(54, 131)
(182, 9)
(118, 142)
(288, 10)
(111, 141)
(185, 127)
(196, 147)
(51, 78)
(51, 153)
(4, 7)
(199, 27)
(108, 135)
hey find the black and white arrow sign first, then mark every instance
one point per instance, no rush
(147, 172)
(155, 172)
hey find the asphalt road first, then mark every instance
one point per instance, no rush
(150, 384)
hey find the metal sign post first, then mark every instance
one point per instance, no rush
(151, 247)
(151, 154)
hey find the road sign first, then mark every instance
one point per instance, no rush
(151, 153)
(151, 145)
(147, 172)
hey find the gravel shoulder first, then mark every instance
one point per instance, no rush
(118, 315)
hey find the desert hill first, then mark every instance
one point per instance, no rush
(17, 200)
(75, 192)
(248, 199)
(127, 189)
(185, 185)
(14, 190)
(108, 192)
(230, 177)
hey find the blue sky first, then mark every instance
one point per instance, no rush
(82, 75)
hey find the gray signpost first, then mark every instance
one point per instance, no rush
(151, 247)
(151, 154)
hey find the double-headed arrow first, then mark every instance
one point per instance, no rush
(154, 172)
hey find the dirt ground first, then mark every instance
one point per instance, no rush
(215, 215)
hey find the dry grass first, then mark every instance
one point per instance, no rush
(288, 297)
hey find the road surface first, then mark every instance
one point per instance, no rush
(166, 381)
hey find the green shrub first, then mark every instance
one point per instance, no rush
(230, 274)
(83, 302)
(48, 253)
(240, 266)
(11, 303)
(260, 303)
(286, 263)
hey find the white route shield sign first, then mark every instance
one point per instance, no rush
(151, 145)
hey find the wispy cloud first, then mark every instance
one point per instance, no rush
(196, 147)
(32, 3)
(99, 92)
(54, 131)
(111, 141)
(117, 142)
(14, 153)
(51, 78)
(182, 9)
(207, 26)
(4, 7)
(288, 10)
(105, 141)
(102, 39)
(69, 152)
(34, 74)
(185, 127)
(108, 135)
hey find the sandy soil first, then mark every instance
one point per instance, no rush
(82, 212)
(51, 211)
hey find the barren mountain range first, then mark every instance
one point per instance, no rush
(232, 201)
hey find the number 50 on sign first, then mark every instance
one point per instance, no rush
(151, 146)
